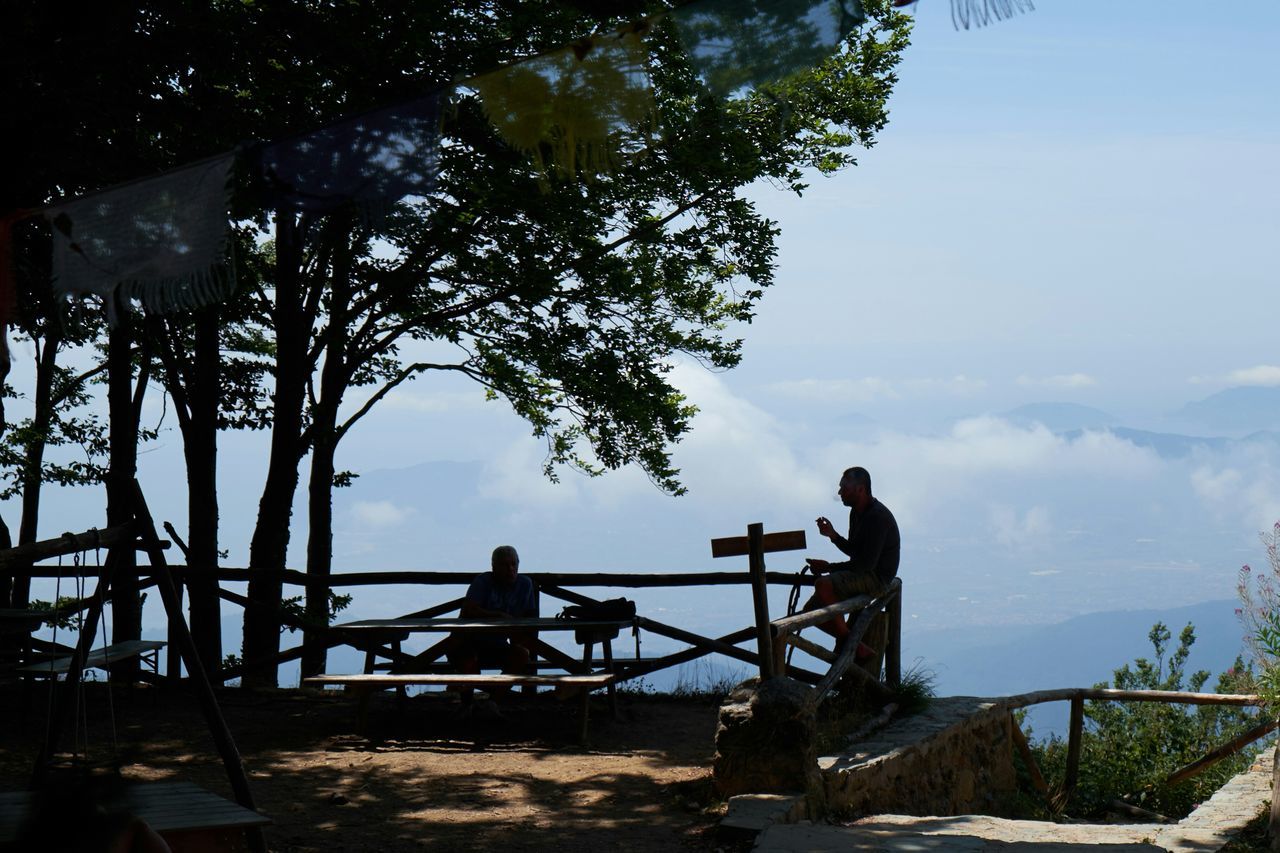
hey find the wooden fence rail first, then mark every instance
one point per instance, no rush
(1075, 732)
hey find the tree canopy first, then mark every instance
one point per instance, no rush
(567, 297)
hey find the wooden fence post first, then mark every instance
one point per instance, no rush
(1074, 737)
(893, 653)
(760, 597)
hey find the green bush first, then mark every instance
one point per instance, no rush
(1129, 749)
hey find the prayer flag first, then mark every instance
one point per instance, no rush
(161, 240)
(738, 44)
(374, 159)
(576, 104)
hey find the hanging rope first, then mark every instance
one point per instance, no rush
(111, 701)
(793, 601)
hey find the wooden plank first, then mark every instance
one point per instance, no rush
(1029, 759)
(483, 626)
(426, 578)
(738, 546)
(393, 679)
(165, 806)
(1229, 748)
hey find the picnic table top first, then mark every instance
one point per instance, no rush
(165, 806)
(97, 658)
(21, 620)
(599, 679)
(486, 625)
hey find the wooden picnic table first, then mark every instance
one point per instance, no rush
(178, 811)
(580, 676)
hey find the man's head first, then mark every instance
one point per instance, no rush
(505, 563)
(855, 488)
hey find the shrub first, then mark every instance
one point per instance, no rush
(1130, 748)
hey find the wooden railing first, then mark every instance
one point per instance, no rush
(1058, 799)
(786, 632)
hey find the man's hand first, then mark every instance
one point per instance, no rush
(825, 527)
(816, 565)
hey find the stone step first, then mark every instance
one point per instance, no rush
(965, 834)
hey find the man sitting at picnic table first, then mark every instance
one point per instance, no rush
(500, 593)
(873, 547)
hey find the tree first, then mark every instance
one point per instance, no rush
(1130, 748)
(567, 299)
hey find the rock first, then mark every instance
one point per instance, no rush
(766, 740)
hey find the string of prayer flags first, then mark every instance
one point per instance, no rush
(161, 240)
(8, 275)
(979, 13)
(374, 159)
(570, 110)
(737, 44)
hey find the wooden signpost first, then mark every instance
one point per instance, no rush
(755, 544)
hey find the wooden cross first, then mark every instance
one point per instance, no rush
(755, 544)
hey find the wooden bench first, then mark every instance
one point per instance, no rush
(146, 650)
(185, 815)
(365, 684)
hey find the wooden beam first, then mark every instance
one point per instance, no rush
(208, 702)
(1024, 749)
(1039, 697)
(856, 631)
(686, 636)
(807, 618)
(739, 546)
(622, 580)
(809, 647)
(64, 545)
(1229, 748)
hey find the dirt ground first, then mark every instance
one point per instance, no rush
(418, 778)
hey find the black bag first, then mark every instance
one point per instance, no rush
(615, 609)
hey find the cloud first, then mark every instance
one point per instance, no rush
(1262, 374)
(1012, 530)
(379, 513)
(1062, 380)
(871, 388)
(1266, 375)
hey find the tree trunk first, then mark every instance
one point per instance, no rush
(324, 445)
(200, 445)
(126, 608)
(33, 463)
(270, 543)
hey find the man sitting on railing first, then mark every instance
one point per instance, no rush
(498, 594)
(873, 547)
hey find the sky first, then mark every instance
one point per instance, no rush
(1075, 206)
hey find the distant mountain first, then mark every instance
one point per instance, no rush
(1235, 411)
(1079, 652)
(1167, 445)
(1060, 417)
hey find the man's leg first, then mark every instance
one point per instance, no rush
(841, 586)
(824, 594)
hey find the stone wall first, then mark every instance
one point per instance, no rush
(954, 758)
